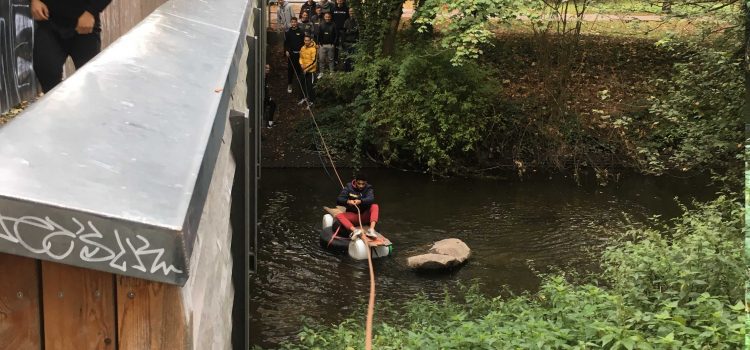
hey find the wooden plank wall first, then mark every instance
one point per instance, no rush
(45, 305)
(19, 303)
(79, 308)
(149, 315)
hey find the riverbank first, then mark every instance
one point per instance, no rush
(615, 83)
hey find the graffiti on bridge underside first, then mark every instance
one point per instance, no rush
(44, 236)
(17, 80)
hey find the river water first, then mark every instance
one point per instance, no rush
(508, 223)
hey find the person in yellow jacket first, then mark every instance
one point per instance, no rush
(308, 60)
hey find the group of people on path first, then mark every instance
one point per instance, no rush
(322, 36)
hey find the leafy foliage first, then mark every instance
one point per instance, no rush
(697, 122)
(675, 286)
(416, 110)
(465, 25)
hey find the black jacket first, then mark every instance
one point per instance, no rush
(63, 14)
(367, 196)
(309, 8)
(350, 33)
(340, 15)
(294, 39)
(327, 33)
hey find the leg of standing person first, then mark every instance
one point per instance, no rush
(305, 88)
(321, 59)
(49, 56)
(329, 52)
(269, 109)
(290, 69)
(336, 57)
(310, 84)
(84, 47)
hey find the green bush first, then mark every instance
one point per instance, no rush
(676, 286)
(697, 122)
(415, 110)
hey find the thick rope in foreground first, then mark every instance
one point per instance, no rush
(371, 303)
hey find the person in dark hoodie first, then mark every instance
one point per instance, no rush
(294, 38)
(349, 37)
(340, 15)
(309, 6)
(327, 39)
(358, 194)
(64, 28)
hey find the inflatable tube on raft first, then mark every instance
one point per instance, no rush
(342, 243)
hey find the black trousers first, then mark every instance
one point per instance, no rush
(310, 86)
(52, 48)
(294, 71)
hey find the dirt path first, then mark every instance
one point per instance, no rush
(292, 141)
(282, 145)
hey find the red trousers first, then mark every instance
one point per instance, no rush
(348, 217)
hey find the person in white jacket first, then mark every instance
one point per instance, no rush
(284, 15)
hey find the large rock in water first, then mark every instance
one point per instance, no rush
(443, 255)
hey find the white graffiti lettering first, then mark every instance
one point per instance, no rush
(44, 236)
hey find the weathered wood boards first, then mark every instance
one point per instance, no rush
(19, 303)
(150, 315)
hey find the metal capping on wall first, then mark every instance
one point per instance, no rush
(110, 170)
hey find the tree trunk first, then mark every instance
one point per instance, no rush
(389, 42)
(666, 6)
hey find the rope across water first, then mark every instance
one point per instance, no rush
(371, 303)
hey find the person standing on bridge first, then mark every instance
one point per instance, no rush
(317, 18)
(308, 60)
(349, 37)
(358, 194)
(307, 27)
(284, 15)
(340, 15)
(64, 28)
(309, 6)
(293, 41)
(325, 6)
(327, 39)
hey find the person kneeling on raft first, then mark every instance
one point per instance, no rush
(358, 193)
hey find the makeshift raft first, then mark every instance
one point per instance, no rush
(335, 237)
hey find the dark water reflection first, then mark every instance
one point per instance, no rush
(507, 223)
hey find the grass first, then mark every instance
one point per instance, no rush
(652, 7)
(655, 30)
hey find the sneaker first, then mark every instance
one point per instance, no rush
(289, 88)
(371, 233)
(270, 125)
(302, 101)
(355, 233)
(320, 75)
